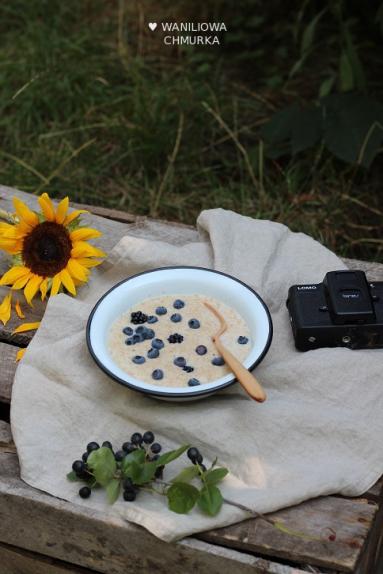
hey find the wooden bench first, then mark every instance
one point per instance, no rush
(45, 535)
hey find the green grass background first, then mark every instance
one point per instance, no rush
(95, 106)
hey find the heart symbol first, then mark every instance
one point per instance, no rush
(152, 26)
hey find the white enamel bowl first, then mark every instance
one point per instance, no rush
(178, 281)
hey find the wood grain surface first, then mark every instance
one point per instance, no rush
(40, 533)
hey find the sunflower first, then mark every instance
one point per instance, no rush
(50, 250)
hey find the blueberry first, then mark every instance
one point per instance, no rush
(152, 319)
(119, 455)
(138, 338)
(129, 342)
(128, 447)
(92, 446)
(107, 444)
(178, 304)
(161, 310)
(148, 437)
(193, 382)
(193, 454)
(176, 318)
(242, 340)
(201, 350)
(85, 492)
(154, 457)
(127, 331)
(148, 334)
(156, 448)
(179, 361)
(138, 360)
(129, 495)
(218, 361)
(136, 438)
(157, 374)
(199, 458)
(78, 466)
(194, 324)
(85, 456)
(153, 353)
(158, 344)
(140, 329)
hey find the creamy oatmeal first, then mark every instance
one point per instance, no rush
(166, 340)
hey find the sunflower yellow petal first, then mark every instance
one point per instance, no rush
(10, 245)
(20, 283)
(47, 207)
(27, 327)
(19, 311)
(6, 309)
(62, 210)
(32, 287)
(67, 281)
(72, 216)
(13, 275)
(83, 249)
(85, 262)
(84, 233)
(56, 284)
(24, 213)
(77, 271)
(11, 231)
(20, 354)
(44, 288)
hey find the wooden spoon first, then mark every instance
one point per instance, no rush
(245, 378)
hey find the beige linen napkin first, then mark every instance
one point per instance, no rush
(318, 433)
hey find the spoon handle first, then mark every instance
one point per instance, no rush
(247, 379)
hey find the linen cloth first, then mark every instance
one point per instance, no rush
(318, 433)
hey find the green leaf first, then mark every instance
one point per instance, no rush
(280, 126)
(113, 490)
(309, 33)
(137, 456)
(102, 464)
(187, 474)
(307, 129)
(215, 475)
(354, 60)
(353, 127)
(72, 476)
(132, 470)
(171, 455)
(326, 86)
(147, 472)
(346, 76)
(182, 497)
(210, 500)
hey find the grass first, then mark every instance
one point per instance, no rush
(94, 106)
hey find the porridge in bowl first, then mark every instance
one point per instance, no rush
(167, 341)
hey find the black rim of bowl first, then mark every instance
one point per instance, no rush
(196, 393)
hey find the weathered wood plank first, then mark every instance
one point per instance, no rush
(349, 519)
(35, 521)
(7, 372)
(371, 560)
(16, 561)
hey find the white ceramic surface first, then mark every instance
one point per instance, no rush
(177, 281)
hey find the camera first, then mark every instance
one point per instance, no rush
(346, 310)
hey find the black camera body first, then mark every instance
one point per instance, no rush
(344, 311)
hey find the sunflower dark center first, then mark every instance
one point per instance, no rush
(46, 250)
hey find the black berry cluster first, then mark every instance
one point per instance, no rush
(196, 457)
(138, 317)
(144, 442)
(175, 338)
